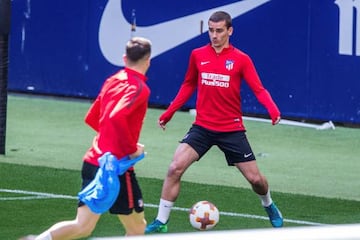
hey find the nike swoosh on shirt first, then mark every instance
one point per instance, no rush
(114, 28)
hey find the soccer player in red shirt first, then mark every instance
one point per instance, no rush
(216, 70)
(117, 116)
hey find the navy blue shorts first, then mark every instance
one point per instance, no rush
(234, 145)
(130, 196)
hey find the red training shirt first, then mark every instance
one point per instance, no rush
(117, 115)
(218, 78)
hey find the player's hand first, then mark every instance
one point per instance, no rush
(164, 118)
(139, 151)
(162, 124)
(276, 120)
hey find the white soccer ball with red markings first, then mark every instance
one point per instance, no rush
(204, 215)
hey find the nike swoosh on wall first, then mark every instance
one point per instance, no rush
(114, 29)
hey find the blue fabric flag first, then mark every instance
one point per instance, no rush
(103, 190)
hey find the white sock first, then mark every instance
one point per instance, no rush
(164, 210)
(266, 199)
(44, 236)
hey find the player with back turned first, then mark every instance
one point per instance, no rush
(216, 70)
(117, 116)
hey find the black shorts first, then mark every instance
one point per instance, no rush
(130, 196)
(234, 145)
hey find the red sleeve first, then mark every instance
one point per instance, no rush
(265, 99)
(93, 115)
(125, 120)
(262, 95)
(185, 92)
(129, 112)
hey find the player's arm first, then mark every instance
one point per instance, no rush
(262, 95)
(93, 115)
(119, 120)
(185, 92)
(266, 100)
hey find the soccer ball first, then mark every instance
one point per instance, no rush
(204, 215)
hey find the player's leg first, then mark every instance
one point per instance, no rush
(184, 156)
(82, 226)
(238, 152)
(260, 185)
(133, 223)
(85, 220)
(129, 205)
(252, 174)
(192, 147)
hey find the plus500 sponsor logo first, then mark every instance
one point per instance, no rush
(216, 80)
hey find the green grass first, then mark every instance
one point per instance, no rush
(313, 175)
(51, 132)
(22, 217)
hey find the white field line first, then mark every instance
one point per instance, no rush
(323, 126)
(41, 195)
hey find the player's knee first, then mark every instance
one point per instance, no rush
(175, 171)
(256, 180)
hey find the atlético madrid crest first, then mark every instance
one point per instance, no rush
(229, 64)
